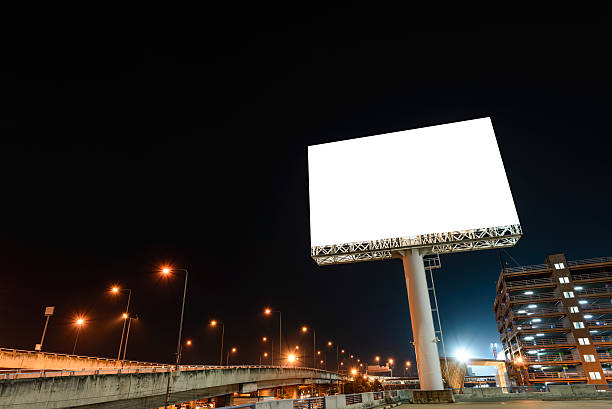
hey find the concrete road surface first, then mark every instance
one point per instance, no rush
(519, 404)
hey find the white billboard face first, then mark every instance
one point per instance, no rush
(438, 179)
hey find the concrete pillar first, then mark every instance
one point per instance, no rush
(426, 347)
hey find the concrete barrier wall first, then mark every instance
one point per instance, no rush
(12, 358)
(555, 392)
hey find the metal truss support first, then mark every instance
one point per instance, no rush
(440, 243)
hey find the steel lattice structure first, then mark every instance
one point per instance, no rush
(438, 243)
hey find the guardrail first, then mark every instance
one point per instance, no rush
(353, 399)
(546, 341)
(309, 403)
(587, 291)
(534, 297)
(92, 358)
(574, 263)
(523, 283)
(549, 358)
(591, 276)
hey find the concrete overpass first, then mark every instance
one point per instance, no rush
(144, 387)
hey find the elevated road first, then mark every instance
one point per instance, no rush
(144, 387)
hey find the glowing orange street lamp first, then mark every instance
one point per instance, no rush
(269, 311)
(354, 371)
(233, 351)
(291, 358)
(116, 290)
(79, 322)
(166, 270)
(266, 339)
(214, 323)
(188, 342)
(377, 359)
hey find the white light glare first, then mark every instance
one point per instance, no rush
(588, 316)
(462, 355)
(536, 320)
(582, 302)
(521, 312)
(532, 306)
(528, 292)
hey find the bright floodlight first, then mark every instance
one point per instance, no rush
(462, 355)
(442, 187)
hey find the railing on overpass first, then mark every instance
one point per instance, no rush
(47, 373)
(92, 358)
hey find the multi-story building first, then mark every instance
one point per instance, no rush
(555, 321)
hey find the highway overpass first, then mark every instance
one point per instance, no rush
(144, 387)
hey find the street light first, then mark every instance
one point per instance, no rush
(233, 351)
(291, 358)
(48, 313)
(166, 271)
(116, 290)
(266, 339)
(130, 318)
(214, 323)
(269, 311)
(80, 321)
(314, 344)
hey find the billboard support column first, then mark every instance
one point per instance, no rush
(425, 342)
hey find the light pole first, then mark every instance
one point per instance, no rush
(265, 339)
(129, 318)
(227, 355)
(117, 290)
(269, 311)
(214, 323)
(166, 271)
(48, 313)
(390, 365)
(408, 363)
(314, 345)
(79, 323)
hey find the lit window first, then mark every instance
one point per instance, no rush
(584, 341)
(578, 324)
(559, 266)
(573, 310)
(564, 280)
(568, 294)
(589, 358)
(595, 375)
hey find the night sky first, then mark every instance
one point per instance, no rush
(137, 137)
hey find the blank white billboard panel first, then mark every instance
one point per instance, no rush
(438, 179)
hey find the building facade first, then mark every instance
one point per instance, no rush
(555, 321)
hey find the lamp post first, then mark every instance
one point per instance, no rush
(408, 363)
(266, 339)
(117, 290)
(314, 345)
(129, 318)
(390, 365)
(269, 311)
(48, 313)
(214, 323)
(166, 271)
(79, 323)
(227, 355)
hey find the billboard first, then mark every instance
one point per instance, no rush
(397, 189)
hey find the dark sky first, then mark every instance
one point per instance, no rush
(134, 137)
